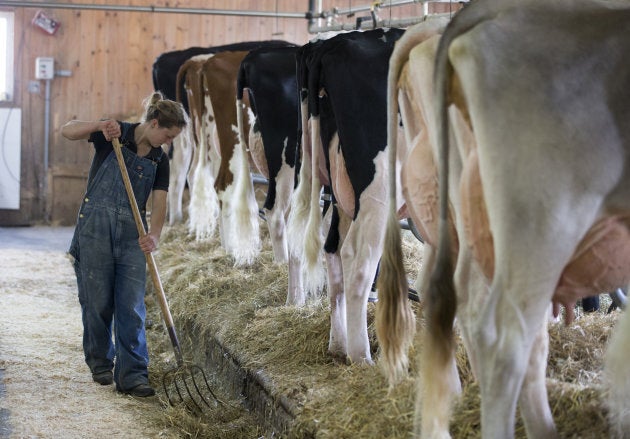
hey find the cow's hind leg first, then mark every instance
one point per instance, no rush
(338, 340)
(337, 343)
(277, 223)
(617, 376)
(360, 255)
(533, 403)
(508, 333)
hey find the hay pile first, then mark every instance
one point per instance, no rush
(243, 308)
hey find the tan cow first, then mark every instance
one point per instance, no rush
(544, 88)
(410, 84)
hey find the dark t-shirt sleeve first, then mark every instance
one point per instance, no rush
(102, 148)
(162, 173)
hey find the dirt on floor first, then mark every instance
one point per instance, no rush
(46, 389)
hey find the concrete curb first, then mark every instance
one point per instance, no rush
(277, 412)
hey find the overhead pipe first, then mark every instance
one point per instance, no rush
(153, 9)
(311, 14)
(372, 21)
(369, 24)
(382, 4)
(385, 4)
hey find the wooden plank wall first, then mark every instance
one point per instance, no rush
(110, 55)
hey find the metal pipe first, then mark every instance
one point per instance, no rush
(160, 9)
(311, 12)
(331, 14)
(381, 4)
(398, 22)
(46, 148)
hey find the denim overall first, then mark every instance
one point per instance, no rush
(111, 271)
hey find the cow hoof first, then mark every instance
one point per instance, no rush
(339, 358)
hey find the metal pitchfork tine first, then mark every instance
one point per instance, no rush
(184, 373)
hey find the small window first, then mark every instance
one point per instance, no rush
(6, 56)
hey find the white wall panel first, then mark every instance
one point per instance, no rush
(10, 144)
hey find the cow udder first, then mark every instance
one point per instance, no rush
(601, 262)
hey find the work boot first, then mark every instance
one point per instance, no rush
(103, 378)
(141, 390)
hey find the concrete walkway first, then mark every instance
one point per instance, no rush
(46, 390)
(28, 238)
(36, 238)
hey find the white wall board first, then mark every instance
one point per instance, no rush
(10, 147)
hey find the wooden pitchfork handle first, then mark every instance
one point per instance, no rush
(155, 277)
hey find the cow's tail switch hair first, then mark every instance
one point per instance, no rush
(314, 274)
(247, 229)
(300, 199)
(395, 320)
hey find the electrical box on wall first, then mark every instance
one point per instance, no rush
(44, 67)
(45, 23)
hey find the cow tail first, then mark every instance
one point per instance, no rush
(314, 276)
(247, 243)
(442, 301)
(180, 84)
(300, 199)
(181, 73)
(395, 320)
(433, 408)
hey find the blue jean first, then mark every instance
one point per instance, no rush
(111, 273)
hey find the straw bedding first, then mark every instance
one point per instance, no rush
(243, 308)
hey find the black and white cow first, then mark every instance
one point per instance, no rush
(269, 77)
(347, 76)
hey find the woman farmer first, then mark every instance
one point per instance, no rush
(109, 258)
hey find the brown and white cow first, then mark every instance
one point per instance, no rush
(210, 84)
(239, 226)
(545, 90)
(221, 190)
(203, 208)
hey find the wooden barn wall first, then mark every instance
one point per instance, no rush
(110, 55)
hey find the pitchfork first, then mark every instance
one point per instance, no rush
(188, 380)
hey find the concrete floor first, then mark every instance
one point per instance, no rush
(30, 238)
(36, 238)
